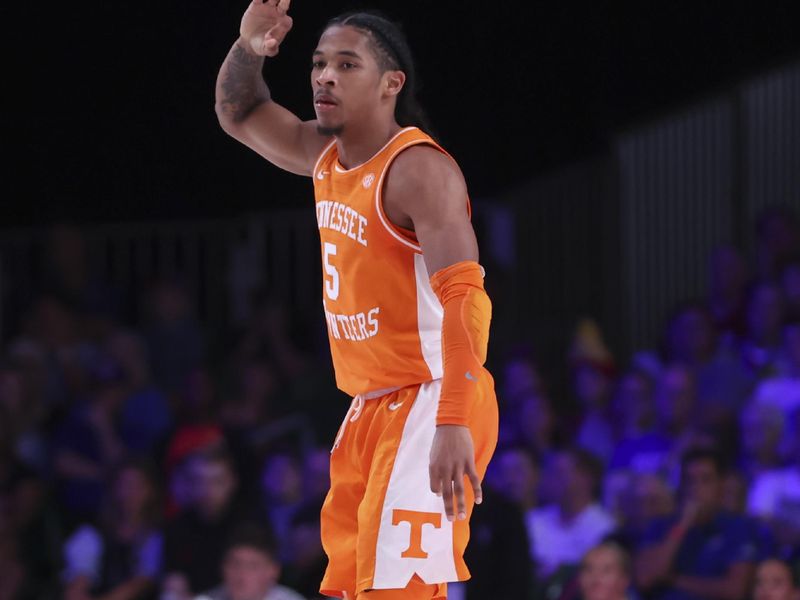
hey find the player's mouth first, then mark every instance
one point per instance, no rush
(325, 102)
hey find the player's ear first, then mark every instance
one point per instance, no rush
(393, 82)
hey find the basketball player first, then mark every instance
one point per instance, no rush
(407, 314)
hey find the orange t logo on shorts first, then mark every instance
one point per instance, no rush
(416, 519)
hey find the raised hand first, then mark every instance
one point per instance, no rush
(265, 24)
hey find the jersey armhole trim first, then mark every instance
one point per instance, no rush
(322, 156)
(390, 227)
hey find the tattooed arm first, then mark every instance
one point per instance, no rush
(243, 104)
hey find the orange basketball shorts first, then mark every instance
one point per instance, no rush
(380, 522)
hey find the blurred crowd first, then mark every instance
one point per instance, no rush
(159, 457)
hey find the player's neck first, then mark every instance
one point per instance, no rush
(357, 145)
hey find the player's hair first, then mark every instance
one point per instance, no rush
(393, 53)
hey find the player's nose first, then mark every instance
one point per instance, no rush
(326, 77)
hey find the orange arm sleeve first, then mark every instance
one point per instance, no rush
(465, 337)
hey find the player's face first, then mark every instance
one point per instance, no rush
(345, 78)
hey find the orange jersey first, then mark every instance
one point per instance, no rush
(384, 321)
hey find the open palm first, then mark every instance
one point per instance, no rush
(265, 24)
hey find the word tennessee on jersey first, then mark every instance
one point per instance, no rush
(384, 321)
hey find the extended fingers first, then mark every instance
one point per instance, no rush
(458, 489)
(283, 5)
(475, 481)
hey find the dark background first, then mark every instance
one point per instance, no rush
(109, 106)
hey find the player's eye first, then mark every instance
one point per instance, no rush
(317, 64)
(348, 65)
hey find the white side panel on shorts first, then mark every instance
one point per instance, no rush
(409, 489)
(429, 318)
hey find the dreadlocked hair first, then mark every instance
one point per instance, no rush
(391, 49)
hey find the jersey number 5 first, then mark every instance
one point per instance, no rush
(332, 284)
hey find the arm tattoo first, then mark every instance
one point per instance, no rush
(243, 86)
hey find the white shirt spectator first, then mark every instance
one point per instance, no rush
(776, 494)
(83, 555)
(555, 542)
(783, 392)
(277, 593)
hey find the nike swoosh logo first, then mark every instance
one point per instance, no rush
(395, 405)
(470, 376)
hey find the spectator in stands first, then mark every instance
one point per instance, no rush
(22, 418)
(175, 341)
(30, 536)
(499, 551)
(282, 493)
(514, 474)
(775, 581)
(593, 372)
(88, 444)
(308, 561)
(146, 416)
(605, 573)
(562, 532)
(775, 498)
(122, 558)
(532, 423)
(765, 313)
(762, 437)
(726, 294)
(722, 384)
(521, 376)
(782, 390)
(250, 568)
(195, 539)
(641, 448)
(702, 552)
(646, 497)
(316, 473)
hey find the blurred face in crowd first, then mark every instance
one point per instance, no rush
(676, 396)
(519, 377)
(734, 493)
(516, 477)
(650, 497)
(691, 336)
(762, 431)
(634, 402)
(774, 582)
(603, 575)
(249, 573)
(133, 491)
(317, 473)
(212, 483)
(535, 419)
(592, 387)
(571, 482)
(702, 485)
(764, 313)
(282, 480)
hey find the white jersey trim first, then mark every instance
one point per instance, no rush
(379, 197)
(321, 156)
(430, 315)
(409, 489)
(340, 169)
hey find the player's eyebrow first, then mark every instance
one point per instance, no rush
(352, 53)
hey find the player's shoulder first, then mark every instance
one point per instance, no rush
(425, 159)
(423, 168)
